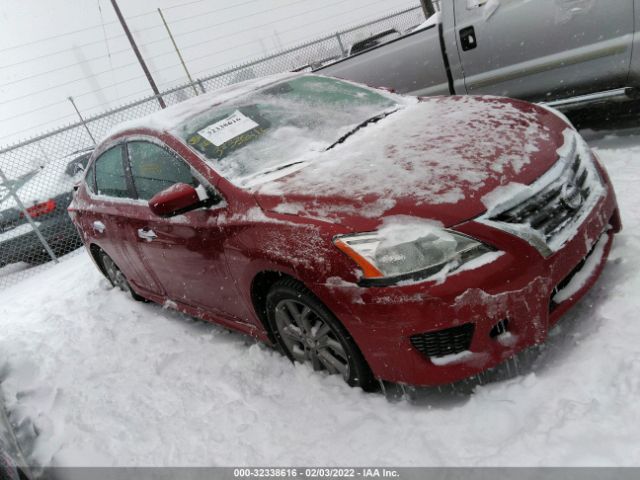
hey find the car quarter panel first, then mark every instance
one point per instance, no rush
(286, 244)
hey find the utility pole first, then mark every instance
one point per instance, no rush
(184, 65)
(138, 55)
(429, 9)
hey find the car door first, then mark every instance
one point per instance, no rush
(543, 49)
(186, 252)
(113, 200)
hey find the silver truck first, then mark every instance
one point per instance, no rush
(566, 53)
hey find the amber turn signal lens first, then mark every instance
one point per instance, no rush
(369, 270)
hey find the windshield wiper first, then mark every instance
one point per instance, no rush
(279, 167)
(369, 121)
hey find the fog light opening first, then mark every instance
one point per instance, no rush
(499, 328)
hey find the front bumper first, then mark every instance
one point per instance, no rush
(519, 287)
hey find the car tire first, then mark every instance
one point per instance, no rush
(116, 277)
(307, 332)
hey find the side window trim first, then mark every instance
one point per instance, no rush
(126, 164)
(92, 169)
(90, 177)
(214, 195)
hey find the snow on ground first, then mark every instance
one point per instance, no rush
(104, 380)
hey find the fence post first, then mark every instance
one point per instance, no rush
(5, 181)
(201, 86)
(86, 127)
(342, 49)
(175, 45)
(136, 51)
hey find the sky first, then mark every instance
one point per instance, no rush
(53, 49)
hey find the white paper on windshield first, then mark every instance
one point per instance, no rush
(231, 127)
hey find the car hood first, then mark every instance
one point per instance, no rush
(436, 159)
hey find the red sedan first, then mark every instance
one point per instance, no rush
(374, 236)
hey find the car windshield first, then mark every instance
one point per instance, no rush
(282, 124)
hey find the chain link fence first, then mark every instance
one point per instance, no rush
(37, 175)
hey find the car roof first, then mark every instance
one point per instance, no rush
(169, 118)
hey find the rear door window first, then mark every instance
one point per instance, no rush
(111, 179)
(154, 168)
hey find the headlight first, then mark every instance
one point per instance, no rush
(407, 252)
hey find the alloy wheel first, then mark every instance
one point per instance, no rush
(310, 339)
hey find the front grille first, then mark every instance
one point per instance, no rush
(562, 200)
(444, 342)
(554, 207)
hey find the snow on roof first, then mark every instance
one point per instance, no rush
(169, 117)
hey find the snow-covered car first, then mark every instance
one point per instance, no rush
(375, 236)
(46, 193)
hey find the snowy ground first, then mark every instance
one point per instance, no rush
(104, 380)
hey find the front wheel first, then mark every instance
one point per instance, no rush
(309, 333)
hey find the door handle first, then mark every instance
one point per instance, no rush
(468, 39)
(99, 227)
(147, 234)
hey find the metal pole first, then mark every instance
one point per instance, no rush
(428, 8)
(21, 206)
(201, 86)
(184, 65)
(86, 127)
(138, 55)
(342, 49)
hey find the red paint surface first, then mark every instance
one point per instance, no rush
(207, 262)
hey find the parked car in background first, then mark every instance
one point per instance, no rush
(567, 53)
(46, 193)
(374, 236)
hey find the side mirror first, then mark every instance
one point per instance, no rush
(175, 200)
